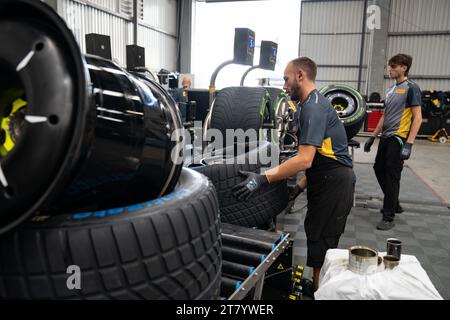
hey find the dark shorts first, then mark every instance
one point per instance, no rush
(318, 249)
(330, 199)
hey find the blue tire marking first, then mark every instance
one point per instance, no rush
(104, 213)
(116, 211)
(135, 207)
(82, 215)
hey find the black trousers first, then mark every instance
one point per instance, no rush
(330, 200)
(388, 169)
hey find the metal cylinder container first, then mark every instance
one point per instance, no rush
(390, 262)
(90, 134)
(394, 247)
(363, 260)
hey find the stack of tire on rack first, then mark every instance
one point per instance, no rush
(92, 205)
(349, 104)
(435, 113)
(244, 108)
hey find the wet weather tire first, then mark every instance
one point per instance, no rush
(259, 209)
(168, 248)
(240, 108)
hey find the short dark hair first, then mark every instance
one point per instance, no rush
(308, 65)
(402, 60)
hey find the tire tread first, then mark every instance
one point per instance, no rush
(124, 258)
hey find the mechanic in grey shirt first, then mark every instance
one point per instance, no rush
(399, 126)
(323, 153)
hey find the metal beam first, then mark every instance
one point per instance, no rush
(377, 57)
(300, 31)
(339, 81)
(341, 66)
(419, 33)
(363, 41)
(310, 1)
(333, 33)
(135, 22)
(185, 10)
(146, 25)
(213, 1)
(424, 77)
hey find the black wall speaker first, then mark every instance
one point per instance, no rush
(268, 55)
(135, 57)
(244, 46)
(99, 45)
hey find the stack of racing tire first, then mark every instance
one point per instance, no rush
(93, 202)
(254, 111)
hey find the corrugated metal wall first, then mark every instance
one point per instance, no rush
(161, 14)
(422, 29)
(83, 19)
(330, 34)
(160, 49)
(430, 53)
(157, 32)
(112, 5)
(419, 15)
(332, 16)
(332, 49)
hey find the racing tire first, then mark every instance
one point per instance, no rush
(350, 106)
(167, 248)
(240, 108)
(263, 206)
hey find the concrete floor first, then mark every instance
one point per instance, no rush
(430, 161)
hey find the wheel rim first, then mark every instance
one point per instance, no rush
(342, 103)
(13, 110)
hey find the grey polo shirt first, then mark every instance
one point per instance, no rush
(320, 127)
(397, 111)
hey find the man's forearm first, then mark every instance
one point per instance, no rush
(415, 127)
(288, 168)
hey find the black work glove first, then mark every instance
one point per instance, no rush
(406, 151)
(369, 144)
(294, 192)
(254, 182)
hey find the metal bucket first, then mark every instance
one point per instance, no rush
(363, 260)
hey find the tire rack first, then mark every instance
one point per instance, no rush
(247, 255)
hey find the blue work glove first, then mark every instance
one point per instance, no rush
(406, 151)
(254, 182)
(369, 144)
